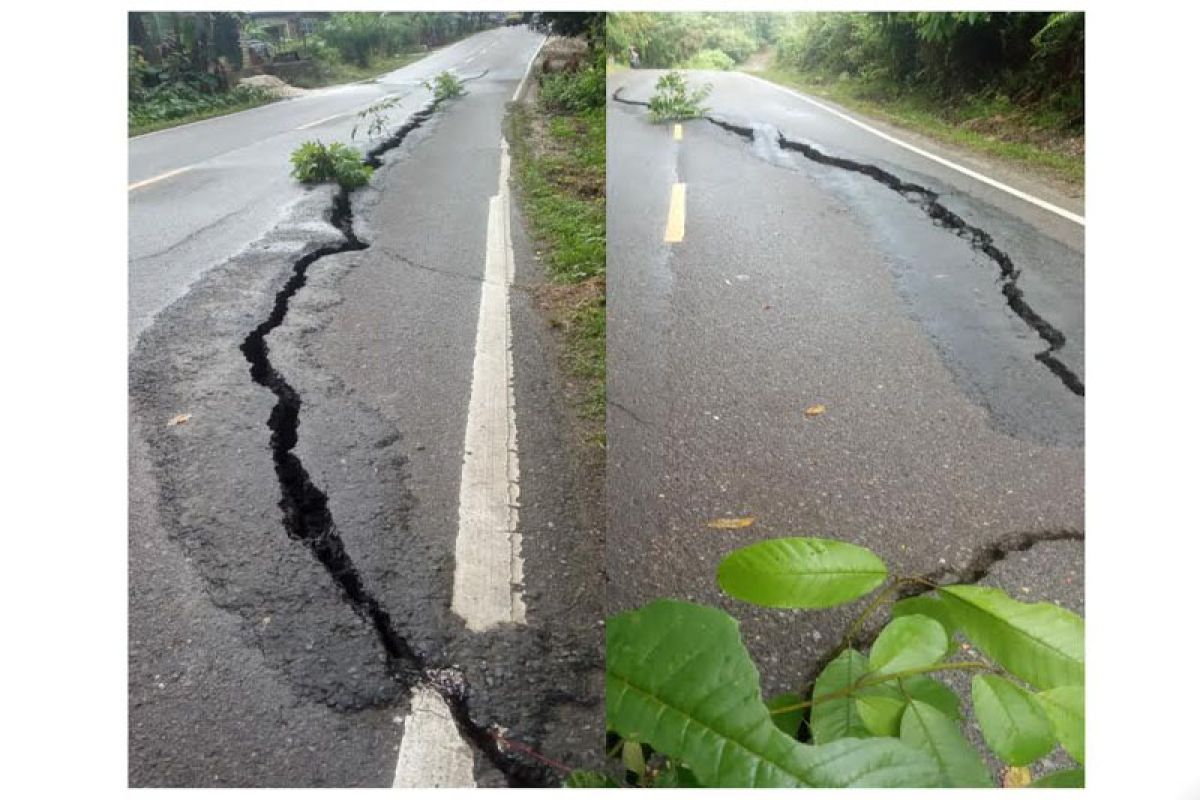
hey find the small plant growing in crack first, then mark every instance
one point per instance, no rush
(316, 162)
(444, 87)
(684, 703)
(673, 100)
(375, 117)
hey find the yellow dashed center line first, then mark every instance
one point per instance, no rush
(678, 132)
(676, 214)
(157, 178)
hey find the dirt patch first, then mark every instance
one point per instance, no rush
(273, 85)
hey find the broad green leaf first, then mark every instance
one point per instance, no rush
(880, 707)
(1064, 707)
(1012, 721)
(679, 679)
(788, 721)
(800, 573)
(582, 779)
(1038, 642)
(925, 727)
(933, 692)
(837, 718)
(1063, 779)
(908, 643)
(932, 607)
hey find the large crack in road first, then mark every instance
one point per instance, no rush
(306, 514)
(928, 201)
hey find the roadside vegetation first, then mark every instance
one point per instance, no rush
(1006, 85)
(673, 100)
(684, 701)
(315, 162)
(558, 149)
(186, 66)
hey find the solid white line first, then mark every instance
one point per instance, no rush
(528, 67)
(488, 570)
(315, 123)
(432, 753)
(157, 178)
(1037, 201)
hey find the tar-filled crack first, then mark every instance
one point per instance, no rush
(977, 238)
(306, 514)
(973, 572)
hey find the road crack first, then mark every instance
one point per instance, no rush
(980, 240)
(305, 506)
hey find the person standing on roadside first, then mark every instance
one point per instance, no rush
(634, 60)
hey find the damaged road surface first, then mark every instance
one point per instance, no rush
(816, 327)
(301, 456)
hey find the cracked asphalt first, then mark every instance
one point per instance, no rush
(247, 666)
(798, 284)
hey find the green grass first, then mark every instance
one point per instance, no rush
(1027, 137)
(136, 129)
(558, 160)
(335, 73)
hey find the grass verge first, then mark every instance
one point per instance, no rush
(558, 160)
(335, 73)
(215, 110)
(989, 126)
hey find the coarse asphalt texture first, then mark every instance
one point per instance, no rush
(248, 667)
(944, 445)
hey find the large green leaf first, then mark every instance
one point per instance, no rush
(933, 692)
(679, 679)
(1038, 642)
(880, 707)
(1063, 779)
(1064, 707)
(837, 718)
(925, 727)
(908, 643)
(800, 573)
(932, 607)
(787, 721)
(1013, 722)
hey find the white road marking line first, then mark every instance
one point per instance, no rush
(323, 120)
(432, 753)
(1037, 201)
(158, 178)
(488, 569)
(528, 67)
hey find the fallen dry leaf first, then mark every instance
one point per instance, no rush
(813, 411)
(1017, 777)
(731, 523)
(179, 419)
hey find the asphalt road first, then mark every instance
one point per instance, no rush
(234, 184)
(251, 662)
(795, 283)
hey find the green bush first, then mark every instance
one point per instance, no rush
(680, 681)
(165, 103)
(709, 59)
(572, 92)
(314, 162)
(672, 100)
(444, 86)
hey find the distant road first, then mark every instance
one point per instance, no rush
(201, 192)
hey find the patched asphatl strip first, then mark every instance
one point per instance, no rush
(488, 567)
